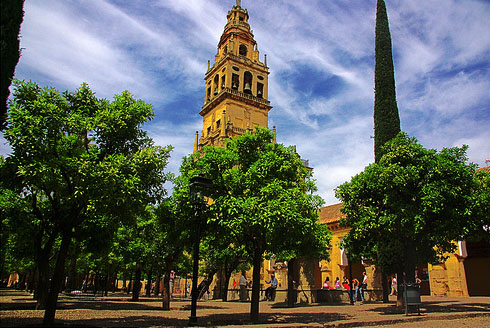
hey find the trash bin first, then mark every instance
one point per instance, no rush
(411, 296)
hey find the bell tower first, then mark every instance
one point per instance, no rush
(235, 97)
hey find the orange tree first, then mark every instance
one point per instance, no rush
(76, 158)
(410, 207)
(263, 199)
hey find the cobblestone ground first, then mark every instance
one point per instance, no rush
(116, 310)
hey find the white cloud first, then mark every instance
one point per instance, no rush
(159, 51)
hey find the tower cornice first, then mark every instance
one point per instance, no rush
(227, 93)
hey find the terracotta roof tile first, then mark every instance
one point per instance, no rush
(330, 214)
(486, 168)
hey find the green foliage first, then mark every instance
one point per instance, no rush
(262, 201)
(16, 244)
(410, 206)
(78, 161)
(11, 16)
(262, 197)
(386, 117)
(480, 213)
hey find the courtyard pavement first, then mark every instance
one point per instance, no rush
(116, 310)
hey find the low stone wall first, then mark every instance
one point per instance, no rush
(329, 296)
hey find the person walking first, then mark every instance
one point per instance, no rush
(363, 286)
(393, 286)
(171, 282)
(243, 287)
(355, 287)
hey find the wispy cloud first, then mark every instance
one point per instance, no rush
(321, 59)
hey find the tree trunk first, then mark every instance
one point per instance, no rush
(72, 275)
(228, 272)
(400, 280)
(166, 285)
(57, 280)
(42, 283)
(130, 283)
(137, 283)
(157, 284)
(148, 285)
(291, 291)
(254, 306)
(384, 284)
(410, 263)
(124, 280)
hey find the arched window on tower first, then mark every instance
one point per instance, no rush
(242, 50)
(260, 90)
(235, 81)
(216, 84)
(247, 80)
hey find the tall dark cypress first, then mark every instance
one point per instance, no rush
(11, 14)
(386, 118)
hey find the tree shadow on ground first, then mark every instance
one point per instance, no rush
(283, 305)
(90, 305)
(435, 307)
(211, 320)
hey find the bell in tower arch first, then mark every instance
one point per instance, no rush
(246, 88)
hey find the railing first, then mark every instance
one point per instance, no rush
(237, 93)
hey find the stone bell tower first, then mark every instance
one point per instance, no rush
(235, 97)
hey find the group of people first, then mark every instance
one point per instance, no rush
(270, 292)
(357, 286)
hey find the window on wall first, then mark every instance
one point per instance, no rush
(218, 124)
(222, 82)
(208, 93)
(242, 50)
(216, 84)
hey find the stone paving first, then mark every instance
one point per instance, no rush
(116, 310)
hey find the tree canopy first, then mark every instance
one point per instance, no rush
(263, 198)
(409, 207)
(77, 158)
(11, 16)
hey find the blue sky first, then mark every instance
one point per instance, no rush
(321, 58)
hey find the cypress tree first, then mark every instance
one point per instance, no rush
(12, 14)
(386, 118)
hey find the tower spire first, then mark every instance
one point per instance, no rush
(238, 3)
(196, 142)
